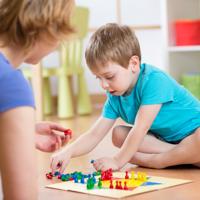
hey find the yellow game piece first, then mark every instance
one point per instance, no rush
(139, 176)
(132, 175)
(144, 176)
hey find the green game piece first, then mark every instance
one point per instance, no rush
(90, 184)
(99, 172)
(100, 183)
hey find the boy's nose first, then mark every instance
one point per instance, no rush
(104, 84)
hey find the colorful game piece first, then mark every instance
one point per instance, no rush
(100, 183)
(140, 176)
(120, 185)
(92, 161)
(144, 176)
(126, 176)
(82, 180)
(111, 184)
(106, 175)
(118, 181)
(90, 184)
(98, 172)
(59, 164)
(75, 179)
(56, 173)
(94, 179)
(68, 132)
(132, 174)
(125, 186)
(49, 175)
(116, 186)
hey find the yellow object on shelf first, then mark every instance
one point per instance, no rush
(192, 83)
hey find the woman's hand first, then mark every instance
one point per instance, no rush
(50, 136)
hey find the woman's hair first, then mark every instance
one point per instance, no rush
(112, 43)
(22, 22)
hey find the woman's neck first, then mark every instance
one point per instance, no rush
(13, 55)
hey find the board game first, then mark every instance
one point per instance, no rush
(114, 184)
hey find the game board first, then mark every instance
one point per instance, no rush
(136, 183)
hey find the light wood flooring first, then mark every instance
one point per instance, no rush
(79, 124)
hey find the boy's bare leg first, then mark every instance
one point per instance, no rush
(154, 153)
(186, 152)
(150, 143)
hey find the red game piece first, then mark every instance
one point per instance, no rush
(125, 186)
(116, 186)
(68, 132)
(111, 184)
(126, 177)
(106, 175)
(49, 175)
(120, 185)
(59, 164)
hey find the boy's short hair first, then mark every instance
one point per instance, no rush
(22, 22)
(112, 43)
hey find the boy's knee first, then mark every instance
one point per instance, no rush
(116, 136)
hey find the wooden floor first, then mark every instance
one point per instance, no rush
(79, 125)
(105, 148)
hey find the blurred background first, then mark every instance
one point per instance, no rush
(169, 35)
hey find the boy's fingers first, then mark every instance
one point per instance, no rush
(63, 167)
(52, 165)
(55, 164)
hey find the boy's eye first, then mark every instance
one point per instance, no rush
(110, 77)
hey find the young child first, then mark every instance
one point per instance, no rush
(29, 30)
(163, 117)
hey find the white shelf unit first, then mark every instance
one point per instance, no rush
(179, 59)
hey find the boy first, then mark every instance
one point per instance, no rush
(163, 117)
(29, 30)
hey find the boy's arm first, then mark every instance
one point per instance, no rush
(88, 141)
(84, 144)
(144, 119)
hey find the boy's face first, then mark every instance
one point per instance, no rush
(116, 79)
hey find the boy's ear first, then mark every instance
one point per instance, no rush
(134, 63)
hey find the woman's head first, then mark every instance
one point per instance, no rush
(24, 22)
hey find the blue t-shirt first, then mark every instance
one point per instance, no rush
(15, 91)
(179, 115)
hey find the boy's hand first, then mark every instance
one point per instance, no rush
(60, 160)
(105, 164)
(47, 139)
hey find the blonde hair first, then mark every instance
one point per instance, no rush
(22, 22)
(112, 43)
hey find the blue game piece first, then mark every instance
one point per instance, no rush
(94, 180)
(89, 176)
(85, 175)
(82, 180)
(92, 161)
(57, 173)
(75, 177)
